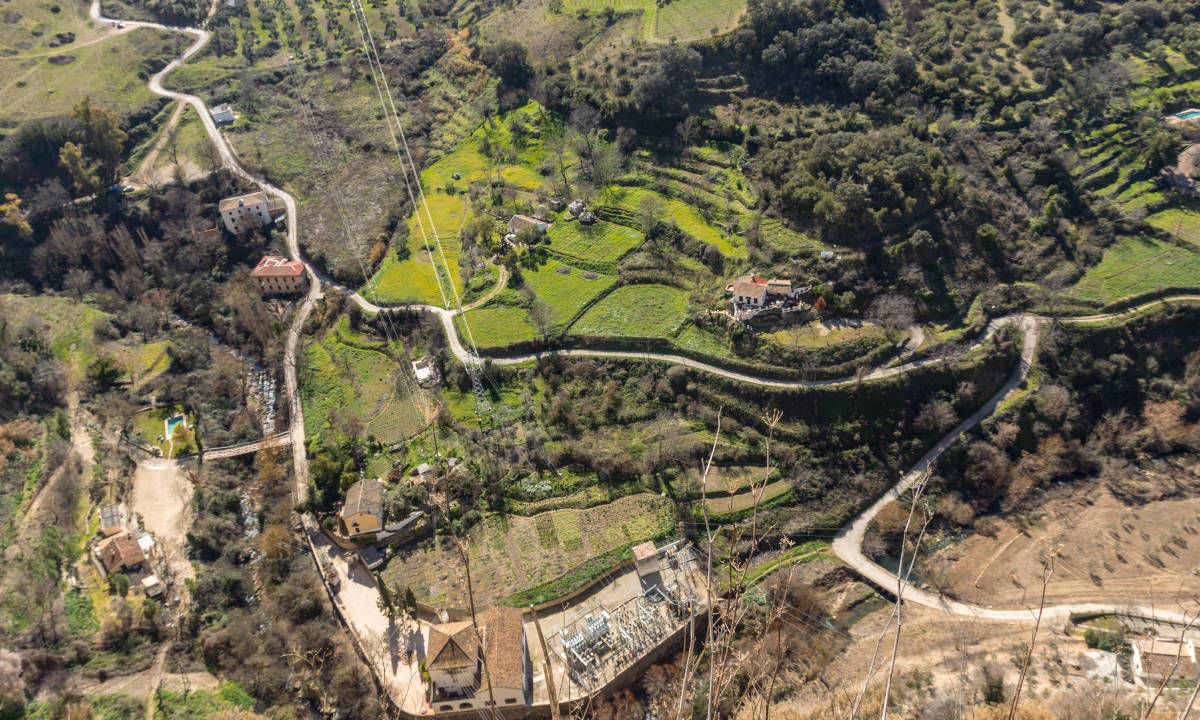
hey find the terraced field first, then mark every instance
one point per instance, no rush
(524, 552)
(603, 242)
(566, 289)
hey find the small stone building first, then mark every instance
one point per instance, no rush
(120, 553)
(454, 661)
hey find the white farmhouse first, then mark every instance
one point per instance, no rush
(245, 212)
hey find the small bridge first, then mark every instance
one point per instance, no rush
(282, 439)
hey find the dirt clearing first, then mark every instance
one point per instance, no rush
(162, 496)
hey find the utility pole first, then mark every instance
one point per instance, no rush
(548, 670)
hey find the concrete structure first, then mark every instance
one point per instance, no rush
(557, 202)
(152, 586)
(120, 553)
(426, 372)
(362, 513)
(277, 275)
(645, 558)
(519, 222)
(221, 113)
(245, 212)
(575, 207)
(1153, 658)
(587, 217)
(455, 660)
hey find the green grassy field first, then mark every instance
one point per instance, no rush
(413, 279)
(113, 73)
(1138, 265)
(336, 378)
(601, 242)
(1182, 221)
(635, 311)
(745, 499)
(702, 340)
(513, 553)
(495, 325)
(565, 292)
(681, 20)
(30, 26)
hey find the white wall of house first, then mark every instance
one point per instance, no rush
(755, 300)
(249, 215)
(453, 681)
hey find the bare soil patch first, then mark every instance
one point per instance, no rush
(162, 495)
(1115, 541)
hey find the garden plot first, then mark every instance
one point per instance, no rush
(514, 553)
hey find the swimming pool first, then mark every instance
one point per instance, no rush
(174, 421)
(1188, 114)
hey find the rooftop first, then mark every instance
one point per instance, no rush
(645, 551)
(520, 222)
(365, 496)
(503, 638)
(276, 266)
(451, 646)
(253, 198)
(747, 288)
(119, 552)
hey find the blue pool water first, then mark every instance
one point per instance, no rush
(172, 422)
(1188, 115)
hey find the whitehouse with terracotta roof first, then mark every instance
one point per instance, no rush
(751, 293)
(455, 657)
(279, 276)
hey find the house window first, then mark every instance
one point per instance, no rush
(509, 701)
(464, 706)
(445, 708)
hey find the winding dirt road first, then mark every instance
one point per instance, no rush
(848, 545)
